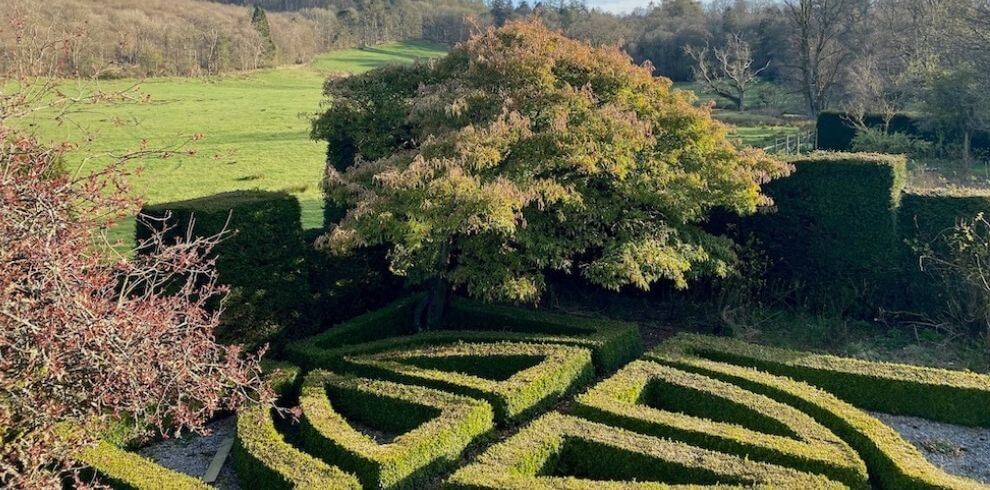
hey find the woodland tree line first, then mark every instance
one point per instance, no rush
(877, 56)
(117, 38)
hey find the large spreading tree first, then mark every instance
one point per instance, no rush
(523, 152)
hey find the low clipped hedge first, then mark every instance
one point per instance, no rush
(263, 261)
(612, 343)
(661, 401)
(434, 427)
(891, 461)
(956, 397)
(517, 379)
(123, 469)
(559, 451)
(261, 455)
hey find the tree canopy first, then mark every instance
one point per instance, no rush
(522, 152)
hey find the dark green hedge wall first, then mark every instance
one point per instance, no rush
(263, 261)
(834, 221)
(927, 217)
(345, 287)
(836, 134)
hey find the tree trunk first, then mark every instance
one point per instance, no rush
(741, 102)
(430, 312)
(967, 142)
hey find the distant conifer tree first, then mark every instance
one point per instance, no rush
(260, 22)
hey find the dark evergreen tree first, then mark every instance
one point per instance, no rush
(501, 12)
(267, 49)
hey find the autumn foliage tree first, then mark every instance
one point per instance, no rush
(524, 151)
(90, 340)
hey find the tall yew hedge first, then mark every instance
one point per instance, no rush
(834, 224)
(262, 260)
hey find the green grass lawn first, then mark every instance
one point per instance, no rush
(762, 136)
(254, 127)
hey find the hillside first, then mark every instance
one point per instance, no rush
(254, 127)
(111, 39)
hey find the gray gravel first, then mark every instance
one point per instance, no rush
(192, 454)
(963, 451)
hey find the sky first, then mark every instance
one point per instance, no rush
(618, 6)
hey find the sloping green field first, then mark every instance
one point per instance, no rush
(254, 127)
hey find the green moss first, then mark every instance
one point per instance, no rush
(562, 368)
(559, 451)
(123, 469)
(891, 461)
(661, 401)
(433, 428)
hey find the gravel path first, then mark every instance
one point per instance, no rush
(192, 455)
(963, 451)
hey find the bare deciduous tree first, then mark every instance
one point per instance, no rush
(823, 33)
(727, 72)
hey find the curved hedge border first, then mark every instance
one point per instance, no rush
(891, 461)
(956, 397)
(435, 427)
(262, 456)
(561, 369)
(720, 416)
(559, 451)
(123, 469)
(612, 343)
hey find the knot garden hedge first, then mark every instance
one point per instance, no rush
(510, 398)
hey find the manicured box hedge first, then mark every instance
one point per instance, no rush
(661, 401)
(263, 458)
(891, 461)
(925, 215)
(956, 397)
(517, 379)
(123, 469)
(262, 262)
(834, 224)
(559, 451)
(927, 218)
(433, 427)
(612, 343)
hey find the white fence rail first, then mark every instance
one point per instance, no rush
(789, 143)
